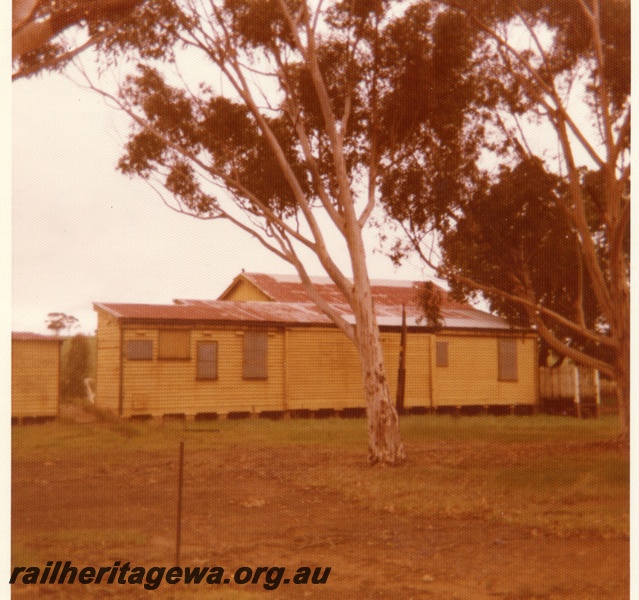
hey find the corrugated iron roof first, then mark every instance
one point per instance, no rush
(289, 288)
(389, 295)
(27, 336)
(292, 313)
(290, 304)
(220, 311)
(466, 319)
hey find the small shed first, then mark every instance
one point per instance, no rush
(35, 376)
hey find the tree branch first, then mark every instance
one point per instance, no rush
(32, 35)
(520, 300)
(558, 108)
(574, 354)
(588, 248)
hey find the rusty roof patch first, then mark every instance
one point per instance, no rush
(291, 305)
(289, 288)
(220, 311)
(291, 313)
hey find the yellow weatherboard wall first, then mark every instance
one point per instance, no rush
(108, 362)
(35, 377)
(312, 365)
(242, 290)
(322, 370)
(159, 387)
(471, 376)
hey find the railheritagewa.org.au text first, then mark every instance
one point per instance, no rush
(269, 578)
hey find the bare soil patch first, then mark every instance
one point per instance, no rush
(250, 507)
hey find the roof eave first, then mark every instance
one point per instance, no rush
(107, 309)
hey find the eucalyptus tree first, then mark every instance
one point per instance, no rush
(37, 25)
(56, 322)
(531, 207)
(75, 367)
(264, 113)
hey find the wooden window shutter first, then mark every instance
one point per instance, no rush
(441, 354)
(507, 359)
(174, 344)
(207, 360)
(139, 350)
(255, 355)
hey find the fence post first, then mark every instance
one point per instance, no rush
(401, 373)
(598, 393)
(577, 392)
(178, 540)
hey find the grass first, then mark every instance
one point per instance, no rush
(120, 436)
(552, 474)
(567, 495)
(507, 429)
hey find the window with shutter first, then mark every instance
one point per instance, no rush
(507, 359)
(255, 355)
(174, 344)
(139, 349)
(207, 360)
(441, 354)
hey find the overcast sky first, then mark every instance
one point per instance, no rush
(83, 232)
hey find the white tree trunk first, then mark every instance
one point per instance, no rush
(384, 440)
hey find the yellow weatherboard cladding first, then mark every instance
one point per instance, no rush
(35, 375)
(309, 364)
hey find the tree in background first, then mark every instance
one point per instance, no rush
(56, 322)
(75, 367)
(531, 207)
(515, 230)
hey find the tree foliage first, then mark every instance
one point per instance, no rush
(515, 238)
(429, 57)
(39, 27)
(75, 367)
(56, 322)
(531, 208)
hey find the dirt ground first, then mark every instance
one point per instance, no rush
(244, 508)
